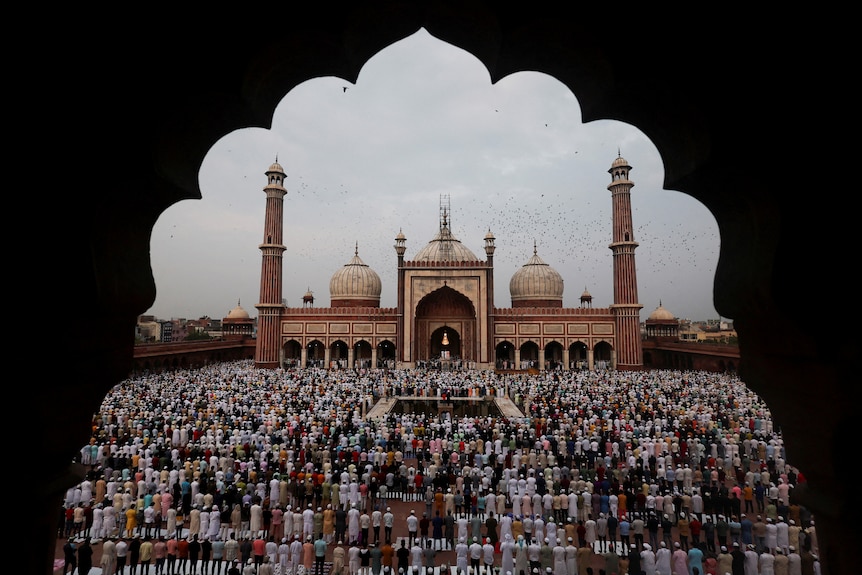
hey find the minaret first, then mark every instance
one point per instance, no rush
(268, 351)
(625, 308)
(400, 249)
(489, 275)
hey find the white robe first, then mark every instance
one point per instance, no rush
(571, 559)
(559, 555)
(96, 529)
(648, 562)
(507, 556)
(662, 561)
(214, 525)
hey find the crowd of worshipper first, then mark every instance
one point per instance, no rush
(231, 450)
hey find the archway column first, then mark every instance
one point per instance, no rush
(374, 357)
(303, 357)
(591, 362)
(566, 358)
(327, 355)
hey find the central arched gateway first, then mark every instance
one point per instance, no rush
(445, 327)
(445, 290)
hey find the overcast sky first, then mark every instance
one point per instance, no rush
(423, 125)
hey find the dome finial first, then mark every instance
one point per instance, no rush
(356, 249)
(444, 211)
(445, 247)
(534, 246)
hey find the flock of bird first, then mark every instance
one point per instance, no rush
(326, 218)
(573, 238)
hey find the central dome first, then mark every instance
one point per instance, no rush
(445, 248)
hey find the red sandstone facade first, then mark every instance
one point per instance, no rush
(445, 314)
(658, 354)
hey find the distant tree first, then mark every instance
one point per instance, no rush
(198, 336)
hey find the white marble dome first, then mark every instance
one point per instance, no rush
(355, 281)
(661, 313)
(536, 280)
(238, 313)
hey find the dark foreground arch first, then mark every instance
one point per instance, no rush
(144, 98)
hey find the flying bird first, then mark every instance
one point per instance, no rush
(344, 88)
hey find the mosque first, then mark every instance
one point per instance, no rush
(445, 315)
